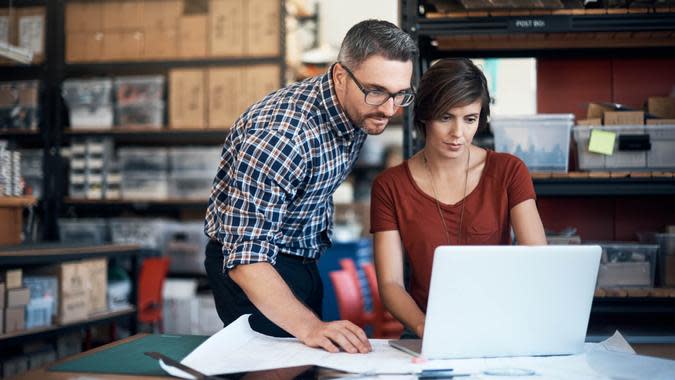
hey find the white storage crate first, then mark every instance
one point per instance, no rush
(91, 116)
(185, 248)
(542, 141)
(657, 153)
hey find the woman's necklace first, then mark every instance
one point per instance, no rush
(438, 204)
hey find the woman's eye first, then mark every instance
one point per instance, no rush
(471, 120)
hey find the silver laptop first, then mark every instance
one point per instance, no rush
(491, 301)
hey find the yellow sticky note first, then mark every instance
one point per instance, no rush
(601, 142)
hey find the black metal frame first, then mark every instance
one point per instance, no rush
(52, 72)
(44, 254)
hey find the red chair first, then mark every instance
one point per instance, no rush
(150, 284)
(349, 266)
(384, 324)
(348, 297)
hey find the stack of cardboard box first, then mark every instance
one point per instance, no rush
(215, 97)
(13, 300)
(132, 30)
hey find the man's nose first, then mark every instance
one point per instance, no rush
(388, 108)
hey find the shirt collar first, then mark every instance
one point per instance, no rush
(336, 115)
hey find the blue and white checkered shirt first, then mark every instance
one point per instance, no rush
(281, 163)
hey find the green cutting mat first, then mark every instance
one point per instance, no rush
(128, 358)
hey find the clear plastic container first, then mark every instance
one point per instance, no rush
(39, 312)
(143, 160)
(139, 89)
(148, 233)
(190, 160)
(90, 231)
(91, 116)
(627, 265)
(185, 248)
(150, 114)
(542, 141)
(153, 186)
(191, 187)
(77, 92)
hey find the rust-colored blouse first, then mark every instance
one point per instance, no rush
(397, 203)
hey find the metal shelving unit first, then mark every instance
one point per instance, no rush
(51, 135)
(520, 34)
(27, 256)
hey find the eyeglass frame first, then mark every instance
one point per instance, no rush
(366, 91)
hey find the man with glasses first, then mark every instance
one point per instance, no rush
(270, 213)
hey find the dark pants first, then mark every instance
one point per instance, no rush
(301, 276)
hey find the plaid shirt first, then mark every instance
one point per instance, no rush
(281, 163)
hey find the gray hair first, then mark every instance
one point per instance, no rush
(370, 37)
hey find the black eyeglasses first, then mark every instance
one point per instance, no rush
(379, 97)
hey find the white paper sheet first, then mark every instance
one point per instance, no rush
(237, 348)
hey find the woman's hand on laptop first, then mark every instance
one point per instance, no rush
(337, 335)
(419, 330)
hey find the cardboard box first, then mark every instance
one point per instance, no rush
(15, 319)
(192, 36)
(259, 80)
(225, 87)
(96, 284)
(660, 121)
(187, 101)
(84, 16)
(123, 46)
(226, 28)
(159, 15)
(596, 121)
(84, 46)
(624, 118)
(661, 106)
(161, 44)
(122, 15)
(72, 292)
(597, 110)
(13, 278)
(18, 297)
(31, 28)
(263, 30)
(6, 27)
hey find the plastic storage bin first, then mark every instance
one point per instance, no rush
(185, 248)
(627, 265)
(90, 103)
(636, 147)
(191, 187)
(39, 312)
(148, 233)
(143, 160)
(190, 160)
(139, 89)
(541, 141)
(19, 117)
(90, 231)
(152, 185)
(140, 115)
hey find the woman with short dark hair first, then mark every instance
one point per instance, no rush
(450, 193)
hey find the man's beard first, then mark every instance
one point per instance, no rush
(362, 123)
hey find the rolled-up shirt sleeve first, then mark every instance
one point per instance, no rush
(263, 180)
